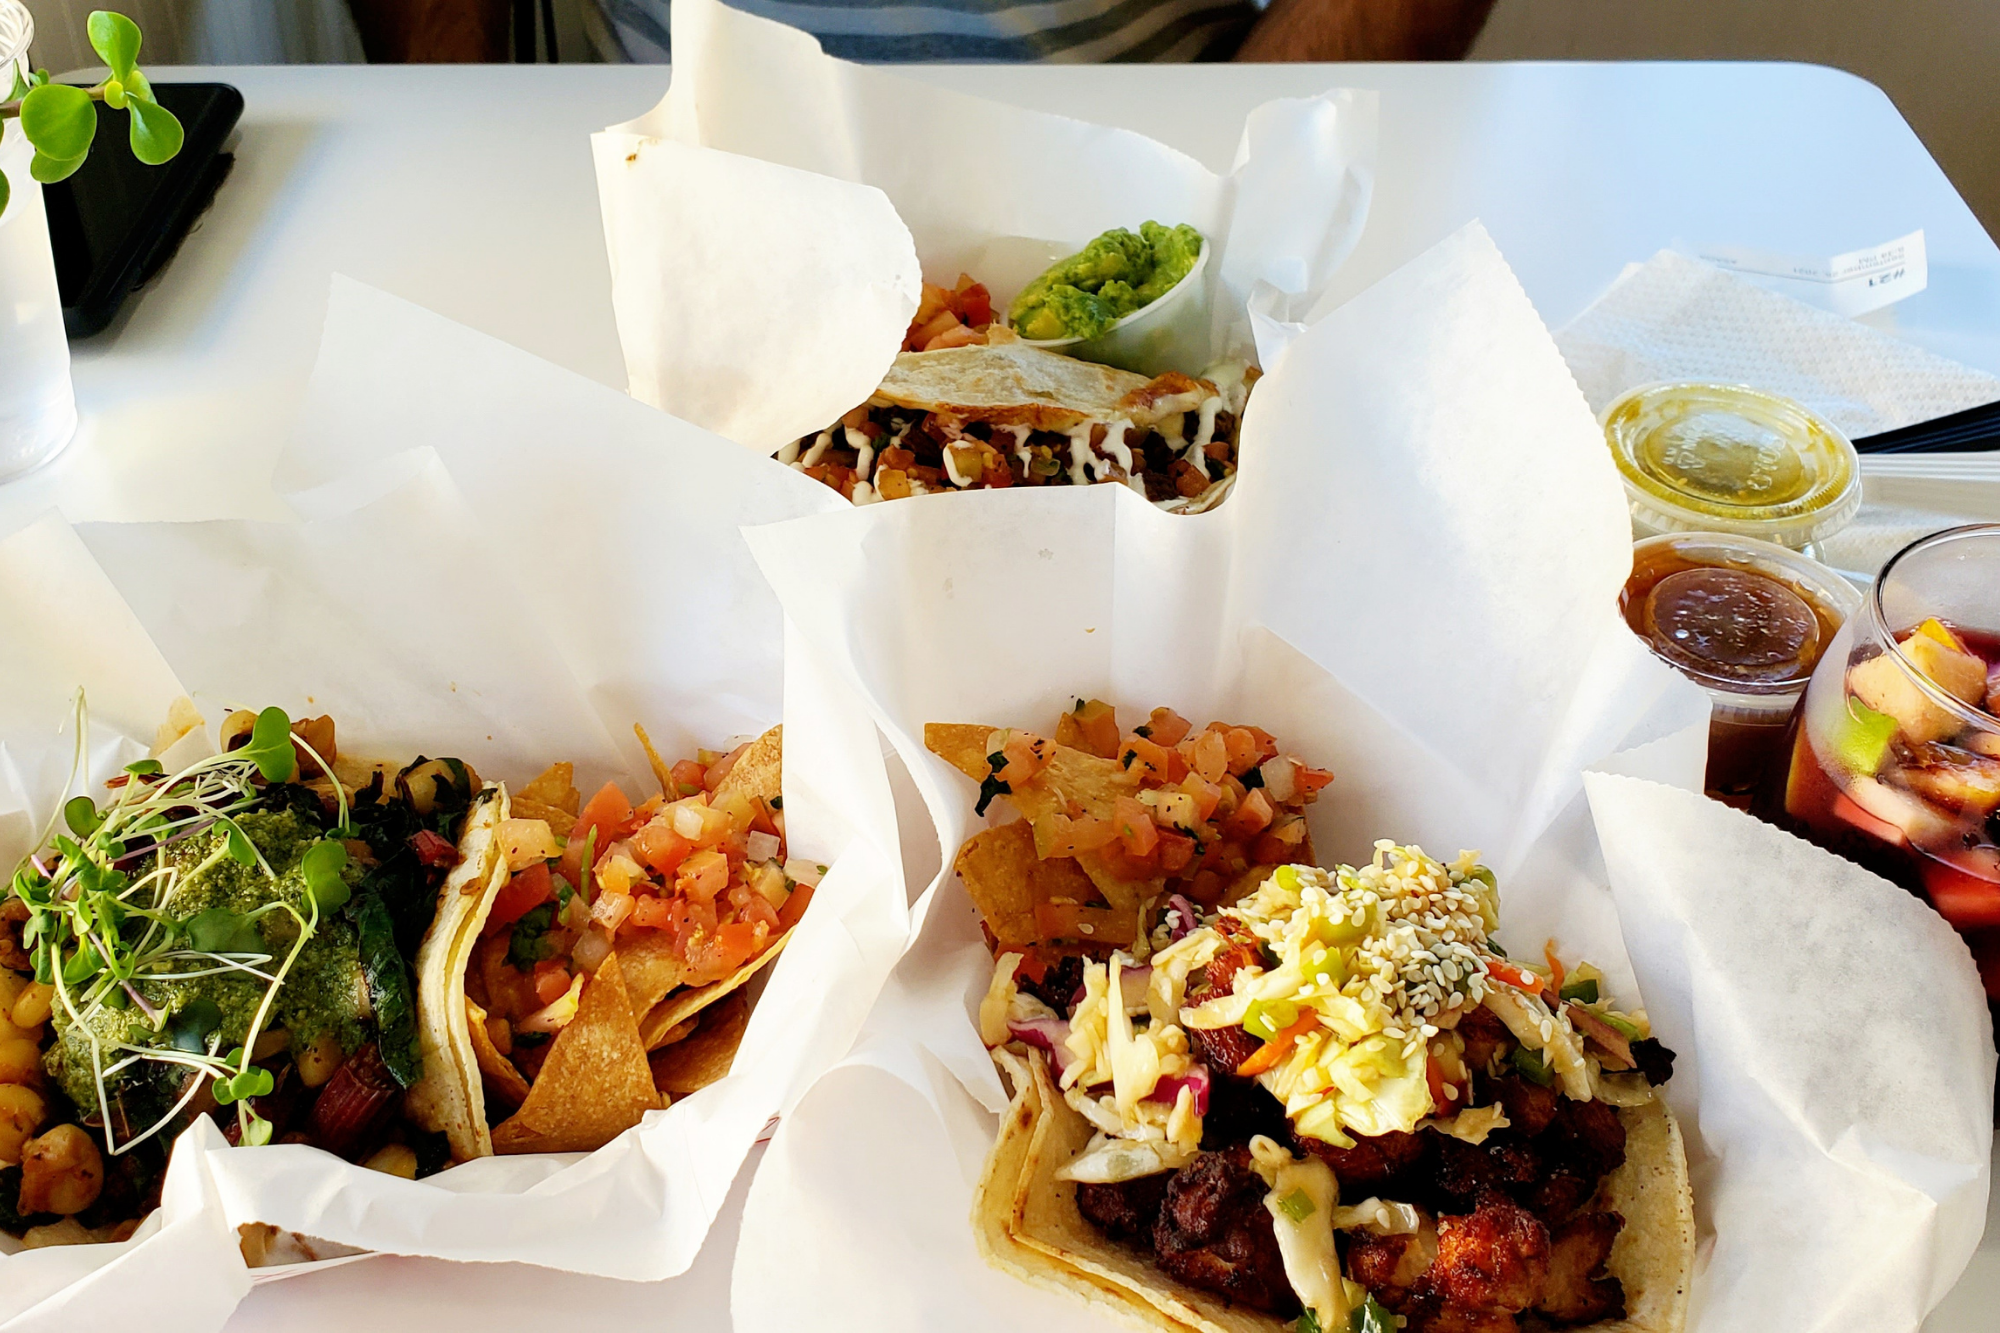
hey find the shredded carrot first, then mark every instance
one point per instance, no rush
(1274, 1050)
(1520, 978)
(1555, 967)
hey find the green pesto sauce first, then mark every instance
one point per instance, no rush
(1110, 278)
(325, 991)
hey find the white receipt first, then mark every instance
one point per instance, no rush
(1850, 284)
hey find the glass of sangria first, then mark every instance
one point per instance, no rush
(1896, 762)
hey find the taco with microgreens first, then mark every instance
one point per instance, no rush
(225, 935)
(599, 970)
(1291, 1095)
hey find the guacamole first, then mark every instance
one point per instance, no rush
(1107, 280)
(325, 991)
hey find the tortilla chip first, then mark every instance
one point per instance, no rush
(960, 744)
(757, 772)
(502, 1078)
(450, 1098)
(673, 1034)
(1005, 879)
(595, 1084)
(559, 820)
(703, 1058)
(652, 969)
(1009, 383)
(556, 786)
(683, 1005)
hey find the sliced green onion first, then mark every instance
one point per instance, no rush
(1297, 1205)
(1267, 1018)
(1583, 990)
(1532, 1066)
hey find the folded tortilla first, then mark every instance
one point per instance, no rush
(1026, 1223)
(1010, 383)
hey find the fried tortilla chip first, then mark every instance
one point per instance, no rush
(503, 1080)
(651, 967)
(1010, 383)
(683, 1005)
(756, 772)
(1006, 881)
(595, 1084)
(960, 744)
(450, 1098)
(703, 1057)
(663, 772)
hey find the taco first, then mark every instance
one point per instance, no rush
(228, 937)
(1308, 1097)
(603, 935)
(977, 407)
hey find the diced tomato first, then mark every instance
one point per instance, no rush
(1135, 826)
(1176, 852)
(651, 912)
(703, 875)
(609, 813)
(687, 778)
(795, 906)
(973, 302)
(434, 849)
(958, 335)
(1091, 726)
(611, 909)
(1312, 779)
(1207, 795)
(1962, 898)
(1026, 754)
(1145, 761)
(551, 980)
(1252, 817)
(1244, 751)
(1083, 834)
(1166, 727)
(660, 847)
(1208, 755)
(1271, 848)
(519, 896)
(752, 906)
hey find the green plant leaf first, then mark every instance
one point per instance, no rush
(237, 845)
(256, 1130)
(21, 86)
(114, 94)
(60, 121)
(6, 191)
(48, 170)
(116, 39)
(191, 1026)
(82, 966)
(322, 864)
(80, 813)
(219, 930)
(156, 135)
(145, 768)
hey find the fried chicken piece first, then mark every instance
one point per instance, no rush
(1494, 1258)
(1223, 1050)
(1486, 1038)
(1389, 1266)
(1127, 1210)
(1586, 1137)
(1578, 1249)
(1215, 1233)
(1432, 1316)
(1530, 1107)
(1556, 1195)
(1241, 950)
(1461, 1172)
(1372, 1161)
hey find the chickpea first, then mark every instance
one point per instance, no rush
(396, 1159)
(20, 1061)
(236, 729)
(61, 1172)
(11, 985)
(318, 1059)
(8, 1031)
(32, 1005)
(22, 1111)
(269, 1043)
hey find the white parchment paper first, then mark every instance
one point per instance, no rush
(767, 220)
(448, 590)
(1414, 585)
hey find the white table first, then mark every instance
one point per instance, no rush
(469, 190)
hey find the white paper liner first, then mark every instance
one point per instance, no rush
(761, 288)
(1414, 584)
(452, 593)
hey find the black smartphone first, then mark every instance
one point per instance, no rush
(117, 221)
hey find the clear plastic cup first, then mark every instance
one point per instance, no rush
(37, 402)
(1747, 621)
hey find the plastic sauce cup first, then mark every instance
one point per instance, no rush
(1698, 457)
(1171, 333)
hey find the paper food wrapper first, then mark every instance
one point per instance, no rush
(770, 222)
(1414, 585)
(513, 566)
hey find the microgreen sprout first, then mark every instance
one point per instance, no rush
(99, 927)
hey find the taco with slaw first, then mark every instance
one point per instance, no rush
(1298, 1096)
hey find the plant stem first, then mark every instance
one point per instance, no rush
(9, 110)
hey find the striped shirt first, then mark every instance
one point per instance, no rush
(1074, 31)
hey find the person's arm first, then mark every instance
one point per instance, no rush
(1366, 30)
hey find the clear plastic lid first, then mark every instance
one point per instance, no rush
(1726, 458)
